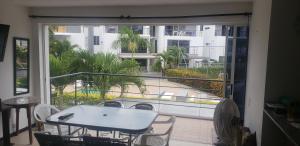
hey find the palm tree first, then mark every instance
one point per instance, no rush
(109, 64)
(60, 66)
(178, 54)
(130, 40)
(163, 62)
(57, 48)
(130, 67)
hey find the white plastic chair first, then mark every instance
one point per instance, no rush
(42, 112)
(157, 139)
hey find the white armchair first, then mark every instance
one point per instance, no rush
(157, 139)
(42, 112)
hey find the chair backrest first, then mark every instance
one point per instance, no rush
(113, 104)
(166, 135)
(49, 140)
(42, 111)
(144, 106)
(169, 131)
(101, 141)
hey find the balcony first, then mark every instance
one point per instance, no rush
(169, 95)
(193, 106)
(186, 132)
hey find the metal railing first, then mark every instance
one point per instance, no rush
(189, 97)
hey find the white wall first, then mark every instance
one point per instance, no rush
(257, 66)
(20, 26)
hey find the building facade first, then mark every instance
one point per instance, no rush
(203, 44)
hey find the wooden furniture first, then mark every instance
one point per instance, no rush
(5, 110)
(130, 121)
(23, 102)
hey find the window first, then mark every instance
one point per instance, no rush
(152, 31)
(111, 29)
(155, 45)
(183, 44)
(96, 40)
(201, 27)
(180, 30)
(220, 30)
(137, 29)
(140, 49)
(180, 43)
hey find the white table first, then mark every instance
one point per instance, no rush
(131, 121)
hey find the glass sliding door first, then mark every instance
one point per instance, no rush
(236, 65)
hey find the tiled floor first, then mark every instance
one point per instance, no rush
(187, 132)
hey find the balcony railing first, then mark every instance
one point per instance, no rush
(188, 97)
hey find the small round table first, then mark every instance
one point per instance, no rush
(23, 102)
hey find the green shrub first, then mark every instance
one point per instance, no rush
(184, 73)
(92, 98)
(214, 87)
(210, 72)
(68, 99)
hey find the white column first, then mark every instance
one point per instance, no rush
(160, 34)
(148, 65)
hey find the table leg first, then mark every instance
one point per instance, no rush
(17, 120)
(129, 140)
(69, 129)
(5, 122)
(28, 110)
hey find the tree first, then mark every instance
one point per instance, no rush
(109, 65)
(60, 66)
(178, 54)
(57, 48)
(130, 40)
(163, 62)
(168, 59)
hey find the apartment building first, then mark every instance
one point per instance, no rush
(201, 42)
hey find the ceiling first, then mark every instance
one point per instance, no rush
(66, 3)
